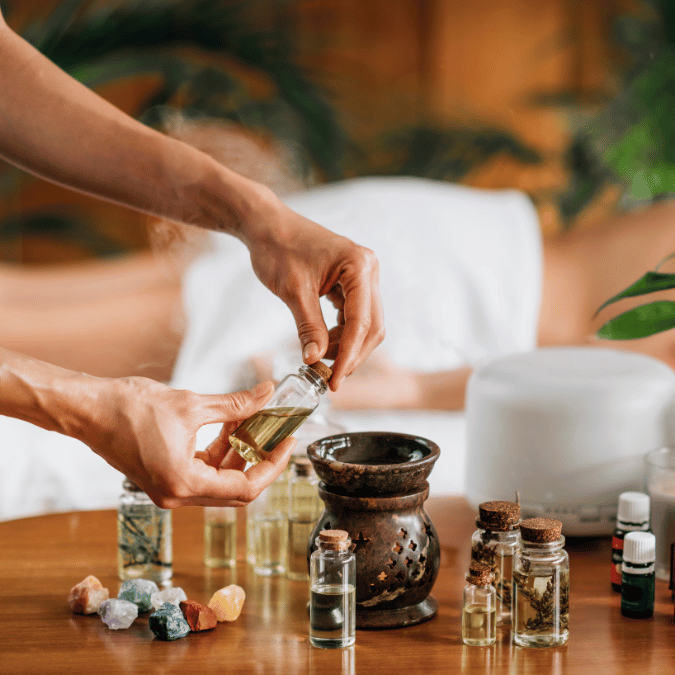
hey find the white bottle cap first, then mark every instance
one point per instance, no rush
(639, 548)
(633, 508)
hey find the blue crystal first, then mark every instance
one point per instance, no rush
(168, 623)
(138, 591)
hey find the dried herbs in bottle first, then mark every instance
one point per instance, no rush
(541, 584)
(144, 541)
(494, 543)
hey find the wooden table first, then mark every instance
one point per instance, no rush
(42, 558)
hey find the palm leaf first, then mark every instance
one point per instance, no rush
(649, 283)
(640, 322)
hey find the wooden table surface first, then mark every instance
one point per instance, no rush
(42, 558)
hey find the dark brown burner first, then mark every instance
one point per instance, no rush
(375, 488)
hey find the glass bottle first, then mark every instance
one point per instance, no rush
(332, 591)
(638, 580)
(220, 536)
(304, 509)
(632, 516)
(541, 584)
(479, 625)
(494, 543)
(294, 399)
(266, 528)
(144, 548)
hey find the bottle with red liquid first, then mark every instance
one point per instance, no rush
(632, 516)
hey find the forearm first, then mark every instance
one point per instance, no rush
(50, 397)
(53, 126)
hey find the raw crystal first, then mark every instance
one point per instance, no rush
(138, 591)
(168, 623)
(171, 595)
(118, 614)
(227, 602)
(87, 596)
(198, 616)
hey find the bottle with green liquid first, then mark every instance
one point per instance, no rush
(293, 401)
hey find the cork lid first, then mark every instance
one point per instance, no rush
(322, 370)
(480, 574)
(334, 540)
(540, 530)
(498, 516)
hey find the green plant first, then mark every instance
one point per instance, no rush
(643, 320)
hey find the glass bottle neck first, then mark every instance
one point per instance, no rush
(536, 548)
(313, 378)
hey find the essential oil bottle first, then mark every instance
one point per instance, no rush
(220, 536)
(332, 591)
(494, 544)
(304, 509)
(479, 625)
(144, 537)
(542, 587)
(293, 401)
(638, 580)
(632, 516)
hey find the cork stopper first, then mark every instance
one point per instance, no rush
(322, 370)
(540, 530)
(498, 516)
(334, 540)
(480, 574)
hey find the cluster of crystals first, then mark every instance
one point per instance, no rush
(174, 616)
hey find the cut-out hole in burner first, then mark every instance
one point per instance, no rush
(391, 563)
(397, 548)
(409, 562)
(412, 545)
(382, 576)
(400, 576)
(403, 533)
(423, 559)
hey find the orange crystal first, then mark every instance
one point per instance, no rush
(227, 602)
(87, 596)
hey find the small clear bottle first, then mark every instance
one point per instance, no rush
(638, 579)
(220, 536)
(494, 543)
(332, 591)
(144, 537)
(479, 625)
(293, 401)
(541, 584)
(266, 528)
(304, 509)
(632, 516)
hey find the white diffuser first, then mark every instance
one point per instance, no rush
(568, 429)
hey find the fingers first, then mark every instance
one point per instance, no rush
(312, 329)
(230, 487)
(235, 407)
(363, 318)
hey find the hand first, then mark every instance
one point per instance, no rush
(300, 261)
(148, 431)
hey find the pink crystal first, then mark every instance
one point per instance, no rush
(227, 602)
(87, 596)
(198, 616)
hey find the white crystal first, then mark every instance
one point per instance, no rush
(118, 614)
(171, 595)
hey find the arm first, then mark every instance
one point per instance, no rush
(54, 127)
(144, 429)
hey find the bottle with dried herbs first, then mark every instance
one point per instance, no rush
(494, 543)
(144, 537)
(293, 401)
(479, 625)
(541, 585)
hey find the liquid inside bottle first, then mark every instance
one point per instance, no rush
(332, 619)
(255, 438)
(144, 535)
(269, 538)
(299, 531)
(541, 612)
(220, 544)
(478, 625)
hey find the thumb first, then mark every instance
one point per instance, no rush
(312, 329)
(235, 406)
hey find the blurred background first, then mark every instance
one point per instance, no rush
(570, 101)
